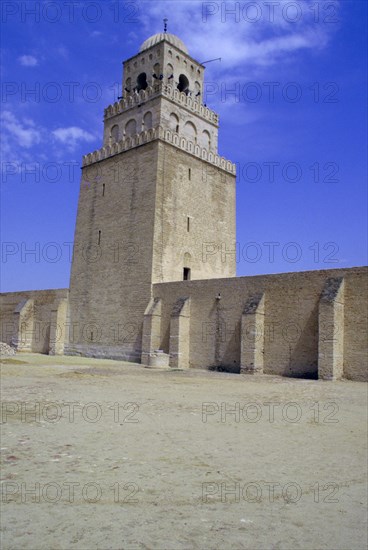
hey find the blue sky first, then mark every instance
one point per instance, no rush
(290, 92)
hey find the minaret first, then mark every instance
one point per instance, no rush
(156, 204)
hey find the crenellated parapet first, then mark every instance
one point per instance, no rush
(161, 89)
(189, 103)
(131, 100)
(165, 135)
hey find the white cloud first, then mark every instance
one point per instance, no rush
(254, 36)
(249, 51)
(28, 60)
(24, 140)
(72, 135)
(22, 132)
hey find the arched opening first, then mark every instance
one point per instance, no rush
(190, 131)
(183, 85)
(157, 72)
(206, 139)
(115, 134)
(141, 82)
(187, 267)
(131, 128)
(197, 89)
(174, 123)
(147, 121)
(169, 72)
(128, 85)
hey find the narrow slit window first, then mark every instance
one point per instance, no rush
(103, 189)
(190, 174)
(186, 274)
(188, 224)
(99, 237)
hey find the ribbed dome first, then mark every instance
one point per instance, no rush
(156, 38)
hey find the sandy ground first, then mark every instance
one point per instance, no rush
(110, 455)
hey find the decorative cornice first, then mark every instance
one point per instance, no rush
(164, 135)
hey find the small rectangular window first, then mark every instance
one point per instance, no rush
(189, 174)
(103, 189)
(99, 237)
(188, 224)
(186, 274)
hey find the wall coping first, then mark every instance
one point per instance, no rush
(291, 275)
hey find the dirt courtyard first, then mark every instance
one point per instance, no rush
(101, 454)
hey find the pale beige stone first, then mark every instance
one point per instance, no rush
(156, 206)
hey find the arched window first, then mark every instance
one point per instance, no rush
(183, 85)
(157, 71)
(190, 131)
(197, 88)
(115, 133)
(128, 84)
(131, 128)
(141, 82)
(187, 259)
(206, 139)
(187, 267)
(169, 73)
(147, 121)
(174, 123)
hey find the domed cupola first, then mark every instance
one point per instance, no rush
(167, 37)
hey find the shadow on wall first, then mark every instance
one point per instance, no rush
(233, 369)
(304, 356)
(303, 351)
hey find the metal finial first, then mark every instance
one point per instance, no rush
(165, 24)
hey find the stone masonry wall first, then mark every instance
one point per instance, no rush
(26, 319)
(195, 214)
(112, 263)
(132, 229)
(290, 325)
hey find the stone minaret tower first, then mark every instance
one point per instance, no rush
(156, 203)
